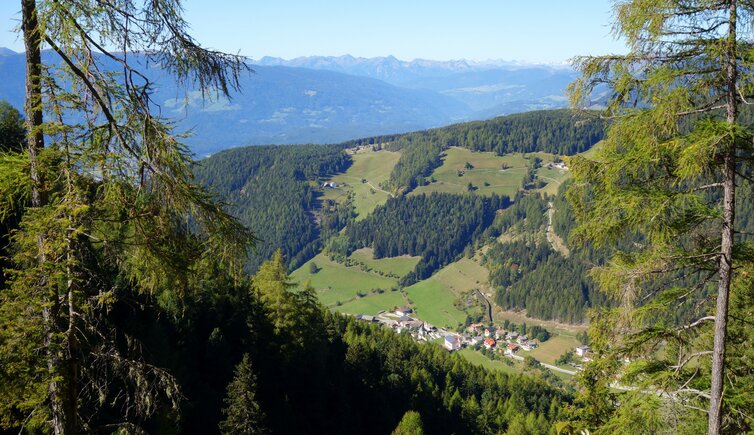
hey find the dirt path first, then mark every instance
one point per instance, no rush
(555, 241)
(545, 365)
(481, 296)
(370, 185)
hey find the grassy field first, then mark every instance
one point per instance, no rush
(477, 358)
(554, 178)
(433, 302)
(486, 170)
(553, 348)
(374, 167)
(400, 266)
(558, 328)
(335, 282)
(462, 276)
(373, 303)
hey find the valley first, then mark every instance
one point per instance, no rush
(454, 223)
(363, 285)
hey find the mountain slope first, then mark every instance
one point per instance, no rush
(280, 105)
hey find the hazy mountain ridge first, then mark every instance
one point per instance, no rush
(489, 88)
(333, 99)
(280, 105)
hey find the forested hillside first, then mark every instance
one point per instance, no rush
(309, 371)
(273, 190)
(561, 132)
(530, 274)
(436, 227)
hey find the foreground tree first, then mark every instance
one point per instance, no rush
(113, 209)
(242, 412)
(666, 178)
(410, 424)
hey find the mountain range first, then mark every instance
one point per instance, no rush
(332, 99)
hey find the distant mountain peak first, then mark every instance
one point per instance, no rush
(5, 51)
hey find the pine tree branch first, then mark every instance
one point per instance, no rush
(689, 358)
(694, 391)
(695, 323)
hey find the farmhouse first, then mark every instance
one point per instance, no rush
(512, 348)
(452, 342)
(403, 311)
(489, 343)
(582, 351)
(475, 327)
(329, 185)
(528, 345)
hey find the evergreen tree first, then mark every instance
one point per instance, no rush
(12, 132)
(243, 414)
(675, 155)
(410, 424)
(113, 211)
(274, 287)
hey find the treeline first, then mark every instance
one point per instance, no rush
(271, 189)
(561, 132)
(436, 227)
(534, 331)
(301, 369)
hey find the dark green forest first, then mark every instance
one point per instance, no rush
(529, 274)
(273, 191)
(437, 227)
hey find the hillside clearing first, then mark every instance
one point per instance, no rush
(335, 282)
(434, 302)
(373, 167)
(399, 266)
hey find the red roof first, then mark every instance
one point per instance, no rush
(489, 341)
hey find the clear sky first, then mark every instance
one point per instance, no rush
(536, 31)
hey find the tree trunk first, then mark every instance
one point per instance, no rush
(726, 244)
(35, 144)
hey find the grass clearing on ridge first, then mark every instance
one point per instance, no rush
(400, 266)
(372, 166)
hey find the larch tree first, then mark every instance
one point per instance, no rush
(665, 178)
(112, 209)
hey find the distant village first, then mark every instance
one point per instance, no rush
(476, 335)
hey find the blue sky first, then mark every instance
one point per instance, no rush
(537, 31)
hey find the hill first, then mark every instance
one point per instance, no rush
(559, 132)
(365, 249)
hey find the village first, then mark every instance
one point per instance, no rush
(477, 335)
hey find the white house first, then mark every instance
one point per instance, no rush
(452, 342)
(582, 350)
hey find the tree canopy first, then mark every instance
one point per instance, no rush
(676, 153)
